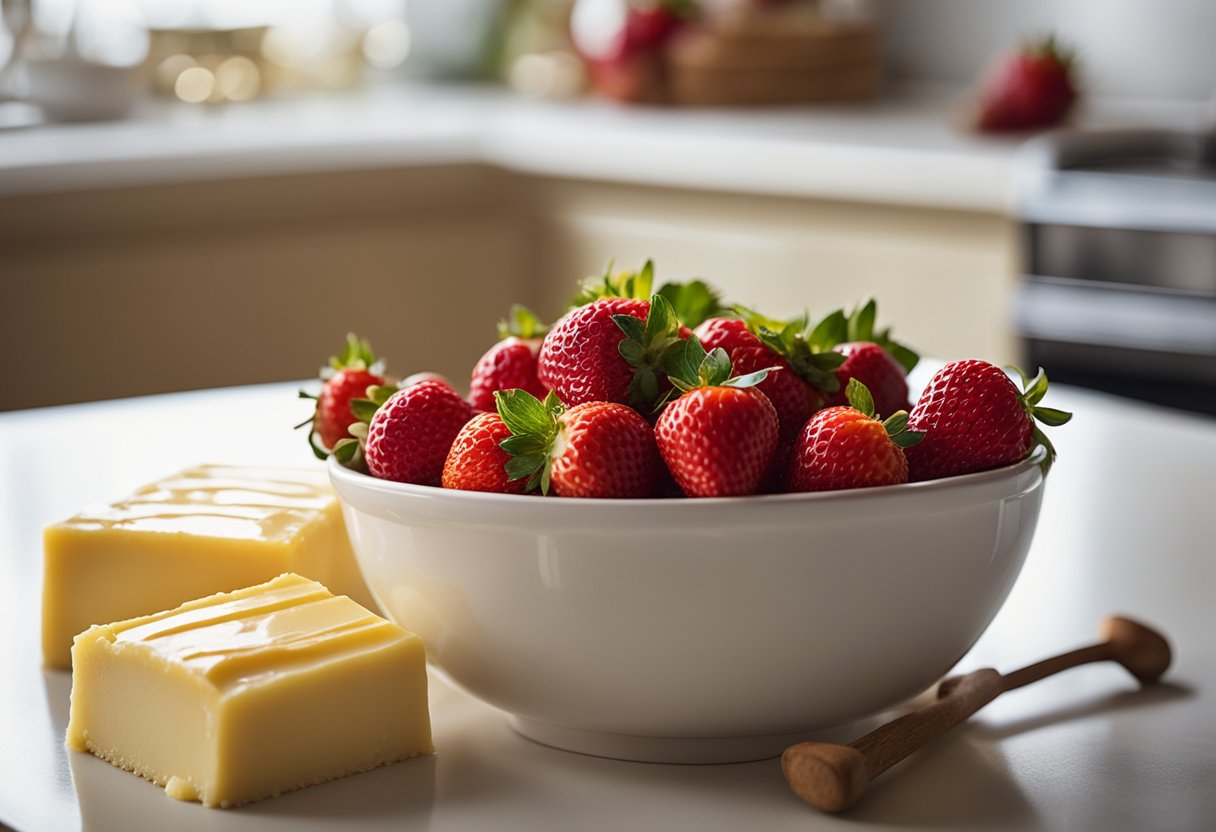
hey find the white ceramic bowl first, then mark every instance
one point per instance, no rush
(705, 630)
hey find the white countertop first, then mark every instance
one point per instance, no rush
(1127, 526)
(903, 149)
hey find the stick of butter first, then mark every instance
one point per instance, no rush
(208, 529)
(245, 695)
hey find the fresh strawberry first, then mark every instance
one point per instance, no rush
(727, 333)
(409, 435)
(580, 358)
(476, 462)
(848, 447)
(975, 418)
(595, 449)
(874, 367)
(510, 363)
(795, 346)
(346, 378)
(1035, 87)
(793, 399)
(610, 350)
(718, 437)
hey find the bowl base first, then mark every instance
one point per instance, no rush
(685, 750)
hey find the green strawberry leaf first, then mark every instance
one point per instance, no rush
(521, 322)
(1052, 417)
(833, 329)
(357, 355)
(364, 409)
(349, 452)
(634, 329)
(632, 350)
(861, 321)
(523, 413)
(715, 368)
(693, 302)
(682, 363)
(533, 425)
(897, 428)
(1036, 389)
(859, 397)
(633, 285)
(906, 357)
(645, 348)
(750, 379)
(859, 325)
(1033, 391)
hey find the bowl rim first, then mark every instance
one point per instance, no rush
(1029, 472)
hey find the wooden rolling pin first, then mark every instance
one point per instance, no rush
(833, 777)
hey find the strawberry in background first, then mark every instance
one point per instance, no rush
(347, 377)
(511, 363)
(1034, 87)
(623, 43)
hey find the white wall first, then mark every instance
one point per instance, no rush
(1157, 49)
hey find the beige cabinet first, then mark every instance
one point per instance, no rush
(147, 289)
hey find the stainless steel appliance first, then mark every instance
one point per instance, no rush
(1120, 256)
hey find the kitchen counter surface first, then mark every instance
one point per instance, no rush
(1127, 526)
(903, 149)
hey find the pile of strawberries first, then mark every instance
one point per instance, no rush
(633, 394)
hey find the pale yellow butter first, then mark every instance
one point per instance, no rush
(245, 695)
(208, 529)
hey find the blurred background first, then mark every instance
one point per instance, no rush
(197, 193)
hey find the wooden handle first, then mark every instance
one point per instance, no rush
(833, 777)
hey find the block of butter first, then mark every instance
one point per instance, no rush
(208, 529)
(244, 695)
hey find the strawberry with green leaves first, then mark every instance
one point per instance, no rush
(848, 447)
(511, 363)
(719, 436)
(477, 462)
(611, 349)
(405, 435)
(592, 450)
(346, 378)
(975, 418)
(871, 356)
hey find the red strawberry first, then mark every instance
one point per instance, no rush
(511, 363)
(625, 57)
(346, 378)
(718, 438)
(975, 418)
(595, 449)
(606, 450)
(1033, 88)
(793, 398)
(848, 447)
(611, 349)
(410, 434)
(874, 367)
(727, 333)
(580, 358)
(476, 462)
